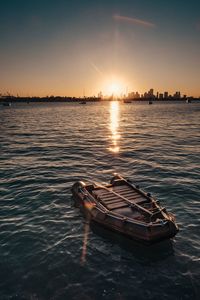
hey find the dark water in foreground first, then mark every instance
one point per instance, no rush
(46, 249)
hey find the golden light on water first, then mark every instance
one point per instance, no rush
(85, 242)
(114, 124)
(89, 206)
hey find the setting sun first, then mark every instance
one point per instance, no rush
(114, 87)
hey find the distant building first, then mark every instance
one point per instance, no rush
(150, 93)
(137, 95)
(133, 95)
(166, 95)
(177, 95)
(100, 95)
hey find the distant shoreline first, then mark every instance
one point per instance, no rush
(13, 99)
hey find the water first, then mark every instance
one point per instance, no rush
(46, 250)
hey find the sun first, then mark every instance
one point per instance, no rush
(114, 87)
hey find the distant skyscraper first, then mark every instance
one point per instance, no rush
(177, 95)
(151, 92)
(165, 95)
(100, 95)
(137, 95)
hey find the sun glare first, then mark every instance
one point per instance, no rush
(114, 87)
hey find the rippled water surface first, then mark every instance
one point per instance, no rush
(46, 249)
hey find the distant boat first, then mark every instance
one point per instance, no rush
(188, 101)
(127, 101)
(6, 104)
(83, 102)
(123, 207)
(150, 102)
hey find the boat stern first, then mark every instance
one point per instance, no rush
(165, 229)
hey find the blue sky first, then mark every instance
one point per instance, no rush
(64, 47)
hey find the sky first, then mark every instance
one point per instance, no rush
(79, 48)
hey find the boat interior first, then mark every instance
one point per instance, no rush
(123, 199)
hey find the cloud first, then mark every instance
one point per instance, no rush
(133, 21)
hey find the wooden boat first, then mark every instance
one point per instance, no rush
(123, 207)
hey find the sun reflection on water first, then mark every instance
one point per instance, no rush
(114, 124)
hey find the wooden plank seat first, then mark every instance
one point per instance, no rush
(118, 205)
(120, 190)
(136, 198)
(107, 198)
(109, 202)
(125, 191)
(138, 201)
(99, 193)
(128, 194)
(102, 193)
(112, 201)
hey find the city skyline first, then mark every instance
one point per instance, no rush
(133, 95)
(76, 49)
